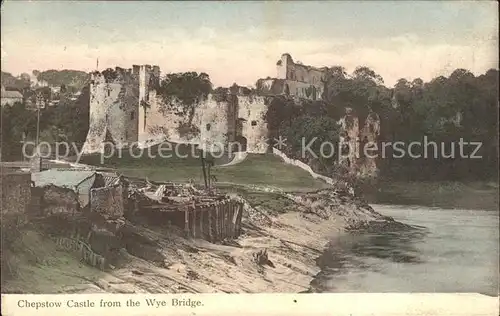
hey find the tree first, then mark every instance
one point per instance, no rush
(360, 91)
(17, 123)
(280, 113)
(69, 119)
(322, 131)
(189, 88)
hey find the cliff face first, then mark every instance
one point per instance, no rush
(360, 149)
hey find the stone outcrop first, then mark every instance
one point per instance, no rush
(367, 164)
(358, 139)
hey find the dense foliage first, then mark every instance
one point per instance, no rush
(303, 124)
(67, 121)
(17, 124)
(187, 87)
(15, 83)
(74, 80)
(444, 110)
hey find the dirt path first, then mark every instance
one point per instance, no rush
(238, 157)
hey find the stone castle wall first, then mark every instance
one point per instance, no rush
(251, 112)
(113, 110)
(126, 108)
(214, 123)
(165, 120)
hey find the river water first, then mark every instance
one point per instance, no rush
(451, 251)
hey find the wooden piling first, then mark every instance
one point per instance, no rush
(221, 222)
(210, 224)
(193, 222)
(231, 221)
(186, 221)
(217, 222)
(224, 220)
(202, 226)
(238, 219)
(228, 219)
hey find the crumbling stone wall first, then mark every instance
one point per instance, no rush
(355, 139)
(127, 109)
(367, 166)
(349, 138)
(251, 111)
(271, 87)
(16, 195)
(113, 110)
(163, 120)
(58, 200)
(109, 202)
(216, 120)
(301, 80)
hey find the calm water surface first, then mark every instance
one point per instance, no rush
(452, 251)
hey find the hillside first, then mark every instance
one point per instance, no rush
(256, 170)
(11, 82)
(71, 78)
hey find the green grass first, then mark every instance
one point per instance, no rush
(257, 169)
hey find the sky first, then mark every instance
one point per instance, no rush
(241, 41)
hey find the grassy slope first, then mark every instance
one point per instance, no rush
(264, 169)
(269, 170)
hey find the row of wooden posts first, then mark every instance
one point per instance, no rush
(214, 221)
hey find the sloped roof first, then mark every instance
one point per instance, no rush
(61, 178)
(12, 94)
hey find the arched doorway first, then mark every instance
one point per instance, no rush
(240, 144)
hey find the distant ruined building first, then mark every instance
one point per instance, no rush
(125, 108)
(294, 79)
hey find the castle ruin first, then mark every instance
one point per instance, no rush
(126, 108)
(295, 80)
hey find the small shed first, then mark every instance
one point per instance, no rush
(80, 181)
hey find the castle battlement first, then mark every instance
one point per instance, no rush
(124, 75)
(125, 107)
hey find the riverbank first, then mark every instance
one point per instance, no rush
(448, 195)
(454, 251)
(283, 235)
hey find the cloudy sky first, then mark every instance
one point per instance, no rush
(241, 41)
